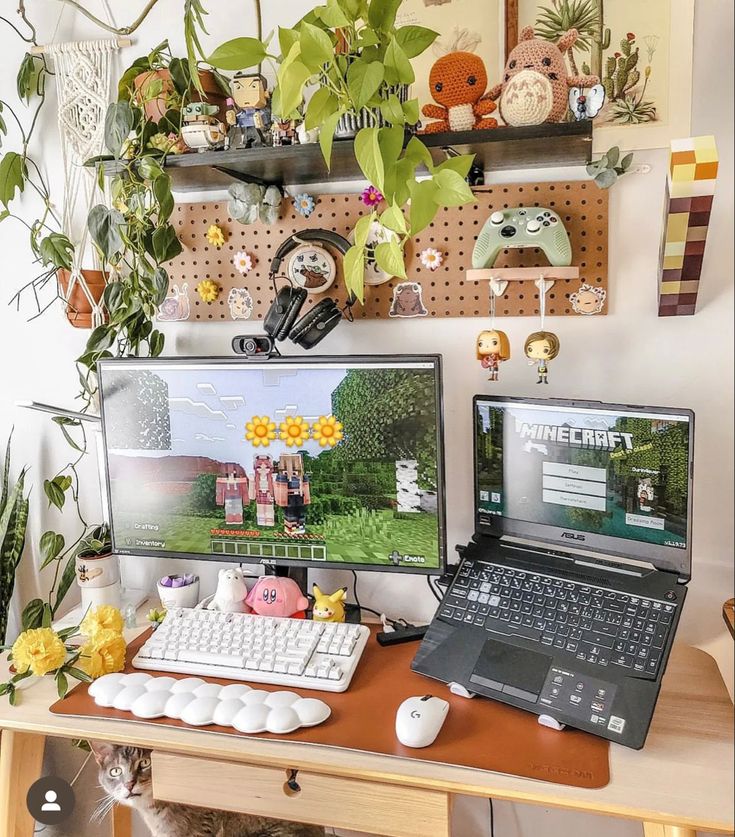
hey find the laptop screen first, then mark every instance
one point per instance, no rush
(607, 477)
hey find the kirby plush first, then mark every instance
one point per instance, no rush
(277, 596)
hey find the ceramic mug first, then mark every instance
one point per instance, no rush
(97, 570)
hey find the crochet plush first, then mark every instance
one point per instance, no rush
(535, 86)
(458, 82)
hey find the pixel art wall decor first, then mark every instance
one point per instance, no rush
(690, 187)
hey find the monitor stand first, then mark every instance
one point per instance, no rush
(301, 576)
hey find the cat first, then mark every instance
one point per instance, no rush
(125, 776)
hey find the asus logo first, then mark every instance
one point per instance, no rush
(573, 536)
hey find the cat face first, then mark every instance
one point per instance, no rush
(125, 773)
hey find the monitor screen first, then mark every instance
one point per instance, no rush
(610, 477)
(284, 461)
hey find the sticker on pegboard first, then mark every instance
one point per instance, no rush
(588, 300)
(408, 301)
(176, 307)
(241, 303)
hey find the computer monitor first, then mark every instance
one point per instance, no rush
(323, 461)
(612, 478)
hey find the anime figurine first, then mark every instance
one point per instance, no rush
(645, 494)
(283, 132)
(541, 347)
(232, 492)
(536, 85)
(586, 105)
(248, 113)
(277, 596)
(263, 490)
(493, 347)
(292, 492)
(230, 594)
(458, 82)
(201, 130)
(329, 608)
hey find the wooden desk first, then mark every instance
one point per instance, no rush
(728, 614)
(680, 782)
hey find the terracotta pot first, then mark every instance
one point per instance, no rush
(78, 310)
(155, 107)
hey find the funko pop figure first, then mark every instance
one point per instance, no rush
(493, 347)
(232, 492)
(292, 492)
(248, 112)
(588, 299)
(263, 490)
(541, 347)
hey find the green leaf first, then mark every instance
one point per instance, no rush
(238, 54)
(394, 219)
(353, 266)
(452, 189)
(613, 155)
(70, 440)
(292, 93)
(155, 343)
(67, 577)
(79, 674)
(160, 285)
(166, 244)
(13, 175)
(414, 40)
(398, 69)
(419, 154)
(423, 204)
(363, 81)
(164, 197)
(54, 494)
(389, 258)
(461, 165)
(46, 616)
(382, 14)
(321, 105)
(26, 78)
(119, 122)
(403, 175)
(32, 614)
(362, 229)
(326, 136)
(148, 168)
(392, 110)
(62, 684)
(100, 339)
(369, 156)
(56, 250)
(316, 47)
(390, 141)
(52, 545)
(332, 15)
(105, 227)
(354, 9)
(626, 161)
(286, 39)
(411, 111)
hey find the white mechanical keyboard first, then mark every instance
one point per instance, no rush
(258, 649)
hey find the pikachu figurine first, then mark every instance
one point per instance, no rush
(329, 608)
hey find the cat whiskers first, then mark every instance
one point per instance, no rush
(102, 809)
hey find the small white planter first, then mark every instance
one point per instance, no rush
(179, 596)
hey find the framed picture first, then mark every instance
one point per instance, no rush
(642, 53)
(462, 25)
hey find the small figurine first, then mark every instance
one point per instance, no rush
(248, 113)
(229, 597)
(232, 492)
(292, 492)
(493, 346)
(283, 132)
(536, 85)
(201, 130)
(646, 494)
(586, 105)
(458, 81)
(263, 489)
(329, 608)
(277, 596)
(540, 348)
(306, 137)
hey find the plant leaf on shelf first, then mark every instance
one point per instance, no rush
(238, 54)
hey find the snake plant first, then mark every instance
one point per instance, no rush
(13, 521)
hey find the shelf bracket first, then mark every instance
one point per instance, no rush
(243, 177)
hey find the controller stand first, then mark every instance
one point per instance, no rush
(542, 277)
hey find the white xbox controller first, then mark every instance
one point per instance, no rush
(533, 226)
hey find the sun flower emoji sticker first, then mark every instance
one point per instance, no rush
(327, 431)
(260, 431)
(294, 431)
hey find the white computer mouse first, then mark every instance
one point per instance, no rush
(419, 720)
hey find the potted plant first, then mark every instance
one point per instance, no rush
(97, 543)
(359, 63)
(13, 522)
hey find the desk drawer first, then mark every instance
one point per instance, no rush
(373, 807)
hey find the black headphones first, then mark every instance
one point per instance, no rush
(282, 320)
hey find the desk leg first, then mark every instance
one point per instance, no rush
(122, 821)
(21, 762)
(656, 829)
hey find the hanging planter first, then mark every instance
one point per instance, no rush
(79, 310)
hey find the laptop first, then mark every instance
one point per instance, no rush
(566, 601)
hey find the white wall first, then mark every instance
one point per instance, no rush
(630, 356)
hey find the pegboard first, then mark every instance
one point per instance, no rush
(582, 206)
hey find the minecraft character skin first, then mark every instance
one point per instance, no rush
(232, 492)
(645, 495)
(540, 348)
(493, 346)
(292, 492)
(262, 488)
(248, 113)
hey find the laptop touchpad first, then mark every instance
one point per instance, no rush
(513, 671)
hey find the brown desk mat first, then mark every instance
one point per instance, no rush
(478, 733)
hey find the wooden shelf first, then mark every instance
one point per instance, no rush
(537, 146)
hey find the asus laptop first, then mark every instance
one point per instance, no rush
(567, 599)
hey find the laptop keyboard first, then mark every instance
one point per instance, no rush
(596, 625)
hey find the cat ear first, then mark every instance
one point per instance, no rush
(101, 750)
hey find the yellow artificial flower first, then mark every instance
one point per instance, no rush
(39, 650)
(102, 653)
(103, 618)
(260, 431)
(208, 290)
(294, 431)
(327, 431)
(215, 236)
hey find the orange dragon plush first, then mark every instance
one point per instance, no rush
(458, 82)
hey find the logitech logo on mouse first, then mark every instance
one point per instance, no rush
(415, 714)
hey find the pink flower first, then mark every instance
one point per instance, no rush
(371, 196)
(630, 36)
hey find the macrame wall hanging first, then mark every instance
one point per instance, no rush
(83, 74)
